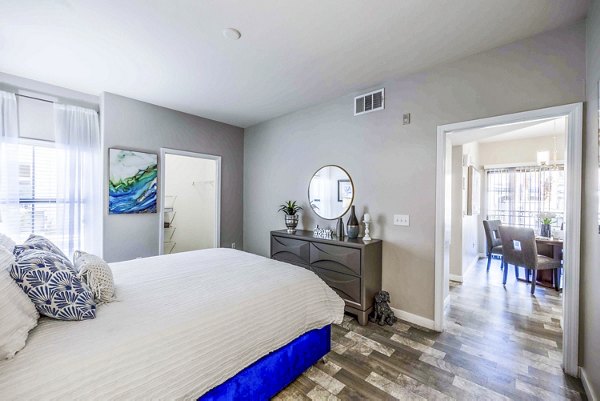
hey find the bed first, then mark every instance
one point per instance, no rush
(195, 324)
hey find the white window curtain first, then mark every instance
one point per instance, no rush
(9, 165)
(79, 178)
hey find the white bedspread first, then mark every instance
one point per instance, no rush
(182, 324)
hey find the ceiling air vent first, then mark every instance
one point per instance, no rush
(369, 102)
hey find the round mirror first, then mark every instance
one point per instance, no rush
(330, 192)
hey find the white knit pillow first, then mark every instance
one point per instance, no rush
(17, 313)
(7, 243)
(96, 273)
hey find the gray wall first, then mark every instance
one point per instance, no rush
(129, 123)
(393, 166)
(590, 270)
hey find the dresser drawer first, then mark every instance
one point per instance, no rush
(336, 258)
(290, 250)
(347, 287)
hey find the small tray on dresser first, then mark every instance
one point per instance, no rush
(351, 267)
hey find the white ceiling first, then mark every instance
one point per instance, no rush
(553, 127)
(291, 54)
(508, 132)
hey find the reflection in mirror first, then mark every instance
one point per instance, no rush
(330, 192)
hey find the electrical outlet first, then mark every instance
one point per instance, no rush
(233, 245)
(401, 220)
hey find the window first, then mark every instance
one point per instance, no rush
(38, 205)
(51, 174)
(517, 196)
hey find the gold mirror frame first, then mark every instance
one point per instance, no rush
(351, 183)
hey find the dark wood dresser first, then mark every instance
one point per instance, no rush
(352, 267)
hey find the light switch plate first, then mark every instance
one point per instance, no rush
(401, 220)
(406, 119)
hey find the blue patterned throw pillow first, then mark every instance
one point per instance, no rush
(42, 244)
(51, 285)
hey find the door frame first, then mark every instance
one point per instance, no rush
(571, 255)
(161, 217)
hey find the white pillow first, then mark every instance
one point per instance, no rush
(96, 273)
(17, 313)
(7, 243)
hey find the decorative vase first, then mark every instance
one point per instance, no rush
(546, 231)
(339, 229)
(352, 227)
(291, 222)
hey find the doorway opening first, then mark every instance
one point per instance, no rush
(511, 174)
(480, 177)
(190, 201)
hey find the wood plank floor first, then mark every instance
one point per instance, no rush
(500, 343)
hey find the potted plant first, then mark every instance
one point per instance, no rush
(546, 219)
(291, 215)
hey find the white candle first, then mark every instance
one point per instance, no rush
(367, 218)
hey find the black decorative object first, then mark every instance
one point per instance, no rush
(339, 229)
(353, 227)
(382, 313)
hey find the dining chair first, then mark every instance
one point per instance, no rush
(520, 249)
(492, 236)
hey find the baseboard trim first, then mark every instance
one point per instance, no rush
(473, 264)
(459, 278)
(589, 391)
(414, 319)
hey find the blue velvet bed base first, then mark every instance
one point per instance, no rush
(275, 371)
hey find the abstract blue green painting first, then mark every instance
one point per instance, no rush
(132, 186)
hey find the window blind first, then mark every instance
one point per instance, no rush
(38, 204)
(517, 196)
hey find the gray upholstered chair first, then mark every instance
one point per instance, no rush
(520, 249)
(492, 235)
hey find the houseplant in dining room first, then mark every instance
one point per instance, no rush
(546, 220)
(291, 215)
